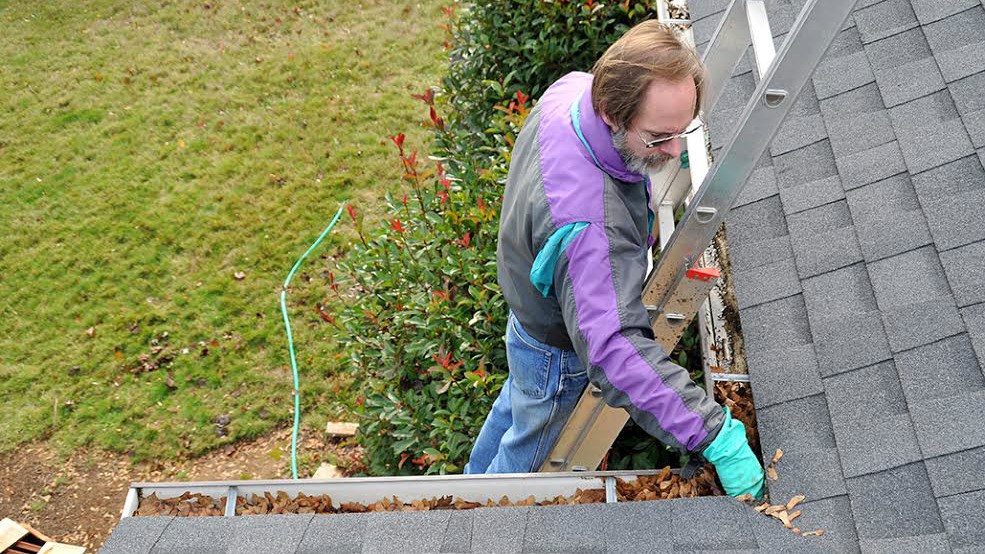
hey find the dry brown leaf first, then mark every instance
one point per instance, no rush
(794, 515)
(772, 474)
(795, 500)
(815, 533)
(785, 518)
(762, 507)
(775, 509)
(777, 456)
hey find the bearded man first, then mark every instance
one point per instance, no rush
(572, 259)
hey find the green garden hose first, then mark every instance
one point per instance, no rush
(290, 344)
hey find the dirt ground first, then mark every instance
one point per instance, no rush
(78, 500)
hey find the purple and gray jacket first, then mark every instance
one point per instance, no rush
(565, 170)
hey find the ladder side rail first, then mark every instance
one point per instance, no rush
(724, 52)
(807, 42)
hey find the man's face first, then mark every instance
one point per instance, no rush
(667, 108)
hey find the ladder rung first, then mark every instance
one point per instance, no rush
(665, 217)
(760, 35)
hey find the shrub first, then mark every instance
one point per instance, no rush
(421, 316)
(501, 48)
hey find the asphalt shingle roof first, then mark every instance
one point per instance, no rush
(858, 257)
(891, 279)
(682, 525)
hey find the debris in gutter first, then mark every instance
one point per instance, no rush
(738, 397)
(664, 485)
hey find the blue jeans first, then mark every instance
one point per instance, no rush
(543, 387)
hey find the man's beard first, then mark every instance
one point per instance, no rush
(642, 165)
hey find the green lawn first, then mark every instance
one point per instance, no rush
(151, 150)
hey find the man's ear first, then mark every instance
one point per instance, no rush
(605, 117)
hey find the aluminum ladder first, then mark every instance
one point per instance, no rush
(678, 285)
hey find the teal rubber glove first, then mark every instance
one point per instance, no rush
(737, 467)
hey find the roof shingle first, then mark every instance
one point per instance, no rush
(914, 298)
(959, 43)
(784, 374)
(857, 120)
(894, 503)
(970, 103)
(837, 302)
(965, 270)
(929, 11)
(823, 239)
(845, 66)
(802, 126)
(930, 132)
(888, 217)
(343, 531)
(958, 472)
(942, 369)
(884, 19)
(905, 67)
(949, 425)
(810, 463)
(974, 320)
(962, 516)
(136, 535)
(952, 196)
(870, 165)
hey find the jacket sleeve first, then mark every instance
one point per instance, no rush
(599, 282)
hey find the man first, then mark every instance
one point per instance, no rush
(572, 257)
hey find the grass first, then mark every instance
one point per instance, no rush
(148, 152)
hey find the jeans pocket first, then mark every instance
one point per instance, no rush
(529, 361)
(574, 375)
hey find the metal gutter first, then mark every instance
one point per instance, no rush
(366, 490)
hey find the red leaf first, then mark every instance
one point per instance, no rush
(325, 316)
(410, 161)
(427, 97)
(398, 139)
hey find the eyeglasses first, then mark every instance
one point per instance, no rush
(660, 139)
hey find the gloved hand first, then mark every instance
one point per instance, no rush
(736, 465)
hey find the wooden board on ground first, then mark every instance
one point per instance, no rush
(59, 548)
(10, 533)
(341, 429)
